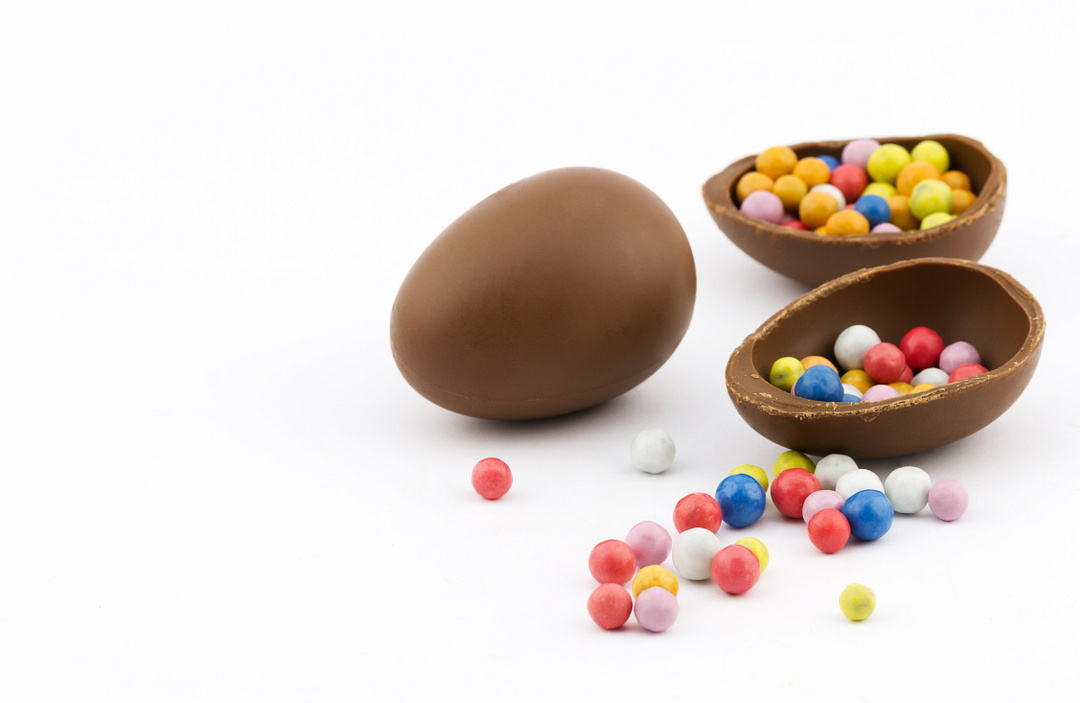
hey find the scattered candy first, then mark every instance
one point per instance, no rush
(907, 489)
(651, 543)
(612, 561)
(858, 480)
(741, 499)
(790, 490)
(756, 472)
(697, 510)
(491, 478)
(869, 513)
(735, 569)
(759, 550)
(832, 467)
(820, 500)
(857, 602)
(652, 451)
(792, 459)
(656, 609)
(692, 552)
(610, 606)
(828, 530)
(654, 575)
(948, 500)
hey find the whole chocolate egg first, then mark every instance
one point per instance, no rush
(556, 293)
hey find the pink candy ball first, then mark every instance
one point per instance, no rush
(857, 152)
(651, 543)
(820, 500)
(491, 478)
(656, 609)
(763, 205)
(885, 227)
(948, 500)
(879, 392)
(958, 354)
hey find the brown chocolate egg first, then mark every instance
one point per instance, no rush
(961, 300)
(813, 259)
(556, 293)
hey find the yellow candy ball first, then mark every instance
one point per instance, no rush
(923, 387)
(928, 197)
(785, 371)
(813, 171)
(750, 182)
(759, 550)
(913, 174)
(655, 575)
(792, 459)
(957, 180)
(961, 200)
(857, 602)
(937, 218)
(755, 472)
(885, 190)
(904, 388)
(886, 162)
(846, 223)
(858, 378)
(808, 361)
(816, 209)
(776, 161)
(932, 152)
(821, 230)
(790, 189)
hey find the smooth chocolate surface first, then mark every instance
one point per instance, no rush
(813, 258)
(961, 300)
(556, 293)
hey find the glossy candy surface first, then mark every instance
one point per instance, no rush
(820, 500)
(874, 208)
(654, 575)
(907, 488)
(792, 459)
(884, 362)
(922, 347)
(831, 467)
(852, 345)
(785, 371)
(656, 609)
(759, 550)
(766, 205)
(692, 552)
(756, 472)
(751, 182)
(858, 480)
(491, 478)
(609, 606)
(819, 383)
(697, 510)
(612, 561)
(650, 541)
(965, 371)
(846, 223)
(878, 392)
(869, 513)
(735, 569)
(816, 209)
(933, 152)
(832, 190)
(828, 530)
(930, 196)
(790, 490)
(776, 161)
(850, 180)
(886, 162)
(741, 499)
(958, 354)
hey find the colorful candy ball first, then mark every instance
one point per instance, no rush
(792, 459)
(948, 500)
(884, 362)
(869, 513)
(654, 575)
(790, 189)
(612, 561)
(858, 151)
(735, 569)
(656, 609)
(932, 152)
(756, 472)
(852, 345)
(776, 161)
(886, 162)
(692, 552)
(846, 223)
(790, 490)
(651, 543)
(830, 468)
(932, 375)
(697, 510)
(885, 227)
(936, 219)
(831, 161)
(907, 488)
(491, 478)
(766, 205)
(820, 383)
(813, 171)
(832, 190)
(759, 550)
(957, 180)
(816, 209)
(922, 347)
(610, 606)
(858, 480)
(885, 190)
(820, 500)
(879, 392)
(857, 602)
(930, 196)
(874, 208)
(850, 179)
(751, 182)
(785, 371)
(958, 354)
(828, 530)
(741, 499)
(913, 174)
(966, 371)
(652, 451)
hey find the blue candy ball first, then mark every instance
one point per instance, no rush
(874, 208)
(849, 398)
(869, 513)
(741, 499)
(831, 161)
(820, 383)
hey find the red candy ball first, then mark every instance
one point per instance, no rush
(491, 478)
(966, 371)
(907, 375)
(735, 569)
(612, 561)
(610, 606)
(795, 224)
(697, 510)
(922, 348)
(884, 362)
(829, 530)
(790, 489)
(850, 179)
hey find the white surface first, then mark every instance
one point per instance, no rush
(214, 485)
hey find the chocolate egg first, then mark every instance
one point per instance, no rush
(556, 293)
(959, 299)
(813, 259)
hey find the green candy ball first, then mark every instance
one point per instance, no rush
(886, 162)
(929, 150)
(930, 196)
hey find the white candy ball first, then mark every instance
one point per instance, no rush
(858, 480)
(930, 375)
(908, 488)
(652, 451)
(852, 344)
(692, 553)
(831, 468)
(833, 191)
(851, 390)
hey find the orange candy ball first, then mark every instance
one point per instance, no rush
(809, 361)
(813, 171)
(817, 207)
(790, 189)
(957, 180)
(845, 223)
(901, 213)
(750, 182)
(776, 161)
(912, 174)
(962, 200)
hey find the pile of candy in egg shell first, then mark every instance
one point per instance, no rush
(872, 188)
(834, 497)
(876, 370)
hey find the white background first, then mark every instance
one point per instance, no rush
(214, 484)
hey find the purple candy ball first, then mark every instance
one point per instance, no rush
(818, 501)
(763, 205)
(656, 609)
(958, 354)
(948, 500)
(857, 152)
(651, 543)
(879, 392)
(885, 227)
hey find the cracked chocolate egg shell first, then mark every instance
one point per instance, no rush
(959, 299)
(812, 258)
(558, 292)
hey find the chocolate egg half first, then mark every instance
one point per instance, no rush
(556, 293)
(959, 299)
